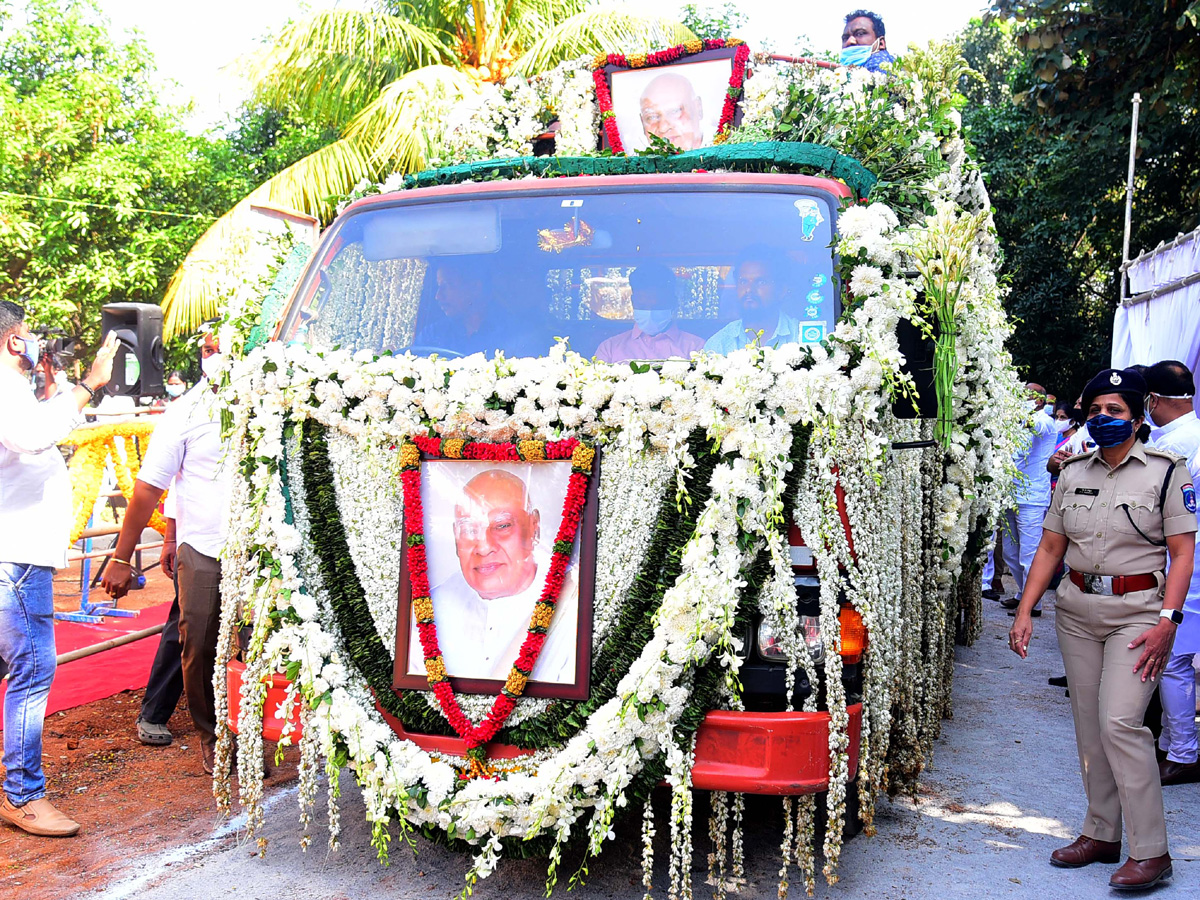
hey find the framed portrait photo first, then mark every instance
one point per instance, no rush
(489, 530)
(685, 96)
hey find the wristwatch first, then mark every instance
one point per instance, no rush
(1175, 615)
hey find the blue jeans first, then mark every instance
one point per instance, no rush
(27, 648)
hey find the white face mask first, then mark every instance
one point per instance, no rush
(1031, 405)
(174, 390)
(210, 365)
(1062, 425)
(653, 321)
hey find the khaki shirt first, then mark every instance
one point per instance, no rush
(1087, 508)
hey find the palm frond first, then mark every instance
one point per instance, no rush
(605, 29)
(216, 263)
(404, 122)
(330, 64)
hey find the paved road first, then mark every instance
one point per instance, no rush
(1003, 791)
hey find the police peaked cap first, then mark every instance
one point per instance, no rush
(1114, 381)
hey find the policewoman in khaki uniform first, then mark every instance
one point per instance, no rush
(1116, 514)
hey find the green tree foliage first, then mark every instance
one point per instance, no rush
(100, 193)
(713, 21)
(1049, 117)
(1054, 206)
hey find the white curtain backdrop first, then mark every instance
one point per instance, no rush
(1167, 327)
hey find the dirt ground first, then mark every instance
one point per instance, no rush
(131, 799)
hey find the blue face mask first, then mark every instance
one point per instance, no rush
(855, 54)
(653, 321)
(32, 351)
(1109, 432)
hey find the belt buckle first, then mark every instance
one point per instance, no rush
(1098, 584)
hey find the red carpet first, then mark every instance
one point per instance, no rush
(102, 674)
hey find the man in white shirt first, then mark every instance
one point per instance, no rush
(1031, 494)
(483, 610)
(762, 286)
(35, 527)
(1175, 429)
(186, 447)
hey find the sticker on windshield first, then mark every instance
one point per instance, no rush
(572, 204)
(810, 217)
(812, 333)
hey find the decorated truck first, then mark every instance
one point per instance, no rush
(625, 446)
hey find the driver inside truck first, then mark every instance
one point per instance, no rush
(465, 314)
(656, 333)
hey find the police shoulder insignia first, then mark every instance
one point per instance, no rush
(1189, 497)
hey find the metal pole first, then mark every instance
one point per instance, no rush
(1133, 132)
(72, 655)
(96, 554)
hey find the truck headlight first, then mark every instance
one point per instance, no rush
(771, 647)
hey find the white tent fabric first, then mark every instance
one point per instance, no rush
(1168, 326)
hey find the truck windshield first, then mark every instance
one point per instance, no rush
(621, 273)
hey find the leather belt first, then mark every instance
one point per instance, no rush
(1112, 584)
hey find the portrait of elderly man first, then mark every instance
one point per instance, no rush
(670, 108)
(482, 610)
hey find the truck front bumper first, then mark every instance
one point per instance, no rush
(745, 752)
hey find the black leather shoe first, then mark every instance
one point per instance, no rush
(1035, 613)
(1178, 773)
(1057, 681)
(1010, 602)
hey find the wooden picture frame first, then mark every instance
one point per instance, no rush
(584, 568)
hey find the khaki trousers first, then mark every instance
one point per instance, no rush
(1108, 700)
(199, 621)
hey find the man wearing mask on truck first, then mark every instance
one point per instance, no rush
(863, 41)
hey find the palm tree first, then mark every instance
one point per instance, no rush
(387, 79)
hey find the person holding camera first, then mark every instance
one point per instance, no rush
(35, 527)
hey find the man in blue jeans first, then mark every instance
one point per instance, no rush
(35, 525)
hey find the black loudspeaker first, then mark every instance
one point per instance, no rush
(138, 365)
(918, 362)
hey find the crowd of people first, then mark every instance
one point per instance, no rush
(1105, 496)
(35, 514)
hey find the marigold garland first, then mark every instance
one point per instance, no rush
(582, 458)
(94, 447)
(608, 117)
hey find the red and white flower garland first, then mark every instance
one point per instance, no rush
(663, 58)
(581, 456)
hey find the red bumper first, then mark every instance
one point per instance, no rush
(744, 752)
(276, 694)
(769, 753)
